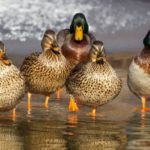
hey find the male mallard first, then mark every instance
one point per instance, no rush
(45, 71)
(12, 86)
(76, 42)
(94, 82)
(139, 73)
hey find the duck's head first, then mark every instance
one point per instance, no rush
(146, 40)
(3, 56)
(79, 26)
(49, 42)
(97, 52)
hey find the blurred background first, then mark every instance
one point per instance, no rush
(120, 24)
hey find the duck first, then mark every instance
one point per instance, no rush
(138, 78)
(75, 43)
(94, 82)
(12, 85)
(45, 71)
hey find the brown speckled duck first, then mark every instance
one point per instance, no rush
(45, 71)
(94, 83)
(139, 73)
(12, 86)
(76, 42)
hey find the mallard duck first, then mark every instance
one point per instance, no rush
(45, 71)
(139, 73)
(94, 82)
(12, 86)
(76, 42)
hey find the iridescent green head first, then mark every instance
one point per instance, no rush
(79, 26)
(146, 40)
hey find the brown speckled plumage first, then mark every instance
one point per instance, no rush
(46, 71)
(12, 86)
(94, 83)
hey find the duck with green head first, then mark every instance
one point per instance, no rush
(12, 85)
(139, 73)
(76, 42)
(94, 82)
(45, 71)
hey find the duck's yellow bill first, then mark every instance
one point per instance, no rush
(79, 33)
(4, 59)
(56, 48)
(7, 62)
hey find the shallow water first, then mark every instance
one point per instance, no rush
(118, 125)
(55, 128)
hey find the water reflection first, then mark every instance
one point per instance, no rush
(61, 130)
(94, 134)
(138, 130)
(39, 134)
(10, 139)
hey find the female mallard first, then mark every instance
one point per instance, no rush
(45, 71)
(94, 82)
(12, 86)
(76, 43)
(139, 73)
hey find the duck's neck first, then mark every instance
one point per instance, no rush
(145, 52)
(144, 57)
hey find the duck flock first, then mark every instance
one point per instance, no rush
(73, 58)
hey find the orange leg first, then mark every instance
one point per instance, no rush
(29, 102)
(14, 114)
(58, 93)
(46, 101)
(93, 112)
(73, 105)
(143, 100)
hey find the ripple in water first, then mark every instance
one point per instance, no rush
(138, 131)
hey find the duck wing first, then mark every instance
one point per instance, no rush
(29, 60)
(61, 36)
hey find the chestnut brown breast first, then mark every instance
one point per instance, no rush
(78, 51)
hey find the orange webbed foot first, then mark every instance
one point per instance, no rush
(144, 108)
(73, 105)
(93, 113)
